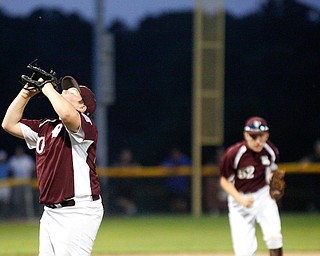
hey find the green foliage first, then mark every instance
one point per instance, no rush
(271, 69)
(166, 234)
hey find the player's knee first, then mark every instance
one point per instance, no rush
(274, 242)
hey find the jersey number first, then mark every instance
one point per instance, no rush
(40, 145)
(246, 173)
(41, 140)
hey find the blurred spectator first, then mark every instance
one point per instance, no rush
(22, 167)
(314, 157)
(215, 197)
(177, 186)
(4, 190)
(124, 196)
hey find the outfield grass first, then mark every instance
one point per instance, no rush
(166, 234)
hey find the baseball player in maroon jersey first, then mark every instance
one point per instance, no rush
(65, 158)
(245, 172)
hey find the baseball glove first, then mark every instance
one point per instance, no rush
(39, 78)
(277, 184)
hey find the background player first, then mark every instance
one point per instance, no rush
(245, 172)
(65, 161)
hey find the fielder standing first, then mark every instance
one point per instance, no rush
(245, 172)
(65, 160)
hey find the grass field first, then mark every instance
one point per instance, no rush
(153, 234)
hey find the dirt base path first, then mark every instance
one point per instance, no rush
(215, 254)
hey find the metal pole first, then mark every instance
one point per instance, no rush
(196, 116)
(101, 111)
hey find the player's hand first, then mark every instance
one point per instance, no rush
(246, 201)
(27, 93)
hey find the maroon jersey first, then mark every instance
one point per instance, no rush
(248, 169)
(65, 160)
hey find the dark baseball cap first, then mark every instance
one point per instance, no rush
(87, 95)
(256, 125)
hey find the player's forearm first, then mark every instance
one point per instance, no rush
(14, 113)
(229, 188)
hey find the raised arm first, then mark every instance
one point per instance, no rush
(11, 120)
(65, 110)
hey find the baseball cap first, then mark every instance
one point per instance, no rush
(256, 124)
(87, 95)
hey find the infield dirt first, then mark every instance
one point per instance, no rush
(215, 254)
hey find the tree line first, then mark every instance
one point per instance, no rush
(271, 69)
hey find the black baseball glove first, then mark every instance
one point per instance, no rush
(39, 78)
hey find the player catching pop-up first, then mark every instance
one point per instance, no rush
(65, 152)
(246, 171)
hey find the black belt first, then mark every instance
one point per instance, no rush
(70, 202)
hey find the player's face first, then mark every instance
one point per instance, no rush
(73, 96)
(256, 141)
